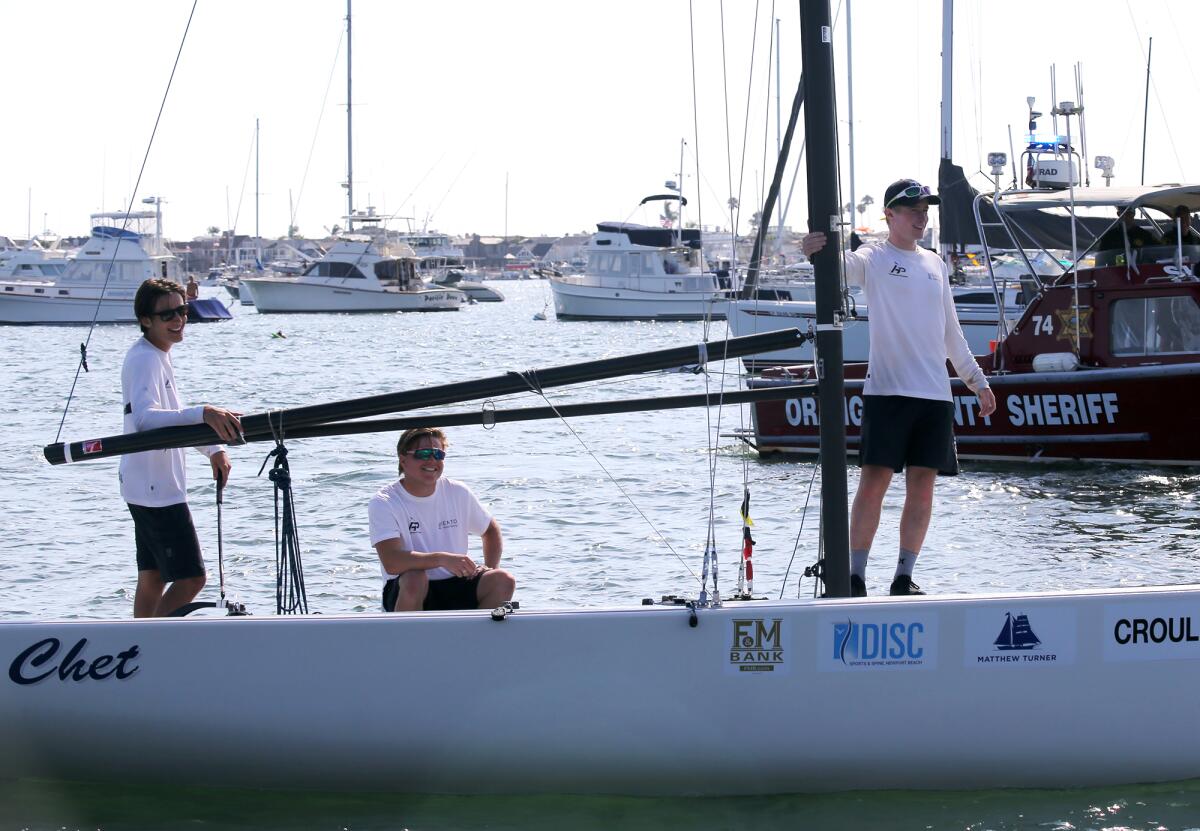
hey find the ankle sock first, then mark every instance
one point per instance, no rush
(858, 562)
(905, 564)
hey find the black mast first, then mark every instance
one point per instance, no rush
(748, 287)
(820, 120)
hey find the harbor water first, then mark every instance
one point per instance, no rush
(596, 511)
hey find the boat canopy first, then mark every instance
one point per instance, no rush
(1161, 197)
(108, 232)
(1038, 229)
(656, 237)
(664, 197)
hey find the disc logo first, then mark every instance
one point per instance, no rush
(757, 645)
(883, 644)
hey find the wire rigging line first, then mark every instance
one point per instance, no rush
(796, 547)
(125, 224)
(317, 129)
(245, 176)
(746, 118)
(530, 378)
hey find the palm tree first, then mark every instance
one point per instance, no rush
(863, 204)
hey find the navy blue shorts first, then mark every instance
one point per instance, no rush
(167, 542)
(899, 431)
(443, 595)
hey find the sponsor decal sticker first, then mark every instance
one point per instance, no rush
(757, 647)
(92, 446)
(1152, 631)
(1002, 637)
(878, 641)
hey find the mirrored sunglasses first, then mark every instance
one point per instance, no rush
(167, 315)
(427, 453)
(910, 192)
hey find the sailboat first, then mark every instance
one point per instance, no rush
(708, 696)
(1016, 634)
(360, 272)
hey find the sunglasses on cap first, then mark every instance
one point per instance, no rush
(426, 453)
(167, 315)
(910, 192)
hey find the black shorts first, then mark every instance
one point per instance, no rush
(443, 595)
(899, 431)
(167, 542)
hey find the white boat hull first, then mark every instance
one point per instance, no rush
(35, 303)
(758, 697)
(272, 295)
(586, 302)
(754, 317)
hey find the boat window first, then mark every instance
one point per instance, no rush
(335, 269)
(635, 264)
(1155, 326)
(617, 263)
(976, 297)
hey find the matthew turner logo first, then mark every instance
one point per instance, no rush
(1017, 643)
(996, 637)
(757, 645)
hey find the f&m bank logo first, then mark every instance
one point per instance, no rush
(878, 643)
(757, 646)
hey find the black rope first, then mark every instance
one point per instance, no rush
(290, 596)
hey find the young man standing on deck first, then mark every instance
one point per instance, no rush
(419, 526)
(154, 482)
(908, 411)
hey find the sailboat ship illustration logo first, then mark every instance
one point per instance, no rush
(1016, 633)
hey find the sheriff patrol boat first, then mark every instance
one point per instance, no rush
(1103, 364)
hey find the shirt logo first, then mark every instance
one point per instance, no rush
(413, 526)
(898, 270)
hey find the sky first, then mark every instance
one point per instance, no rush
(542, 116)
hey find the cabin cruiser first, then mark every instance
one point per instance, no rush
(33, 263)
(468, 283)
(636, 272)
(99, 283)
(355, 275)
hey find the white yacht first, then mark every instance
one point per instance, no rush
(978, 315)
(33, 263)
(637, 272)
(100, 281)
(356, 275)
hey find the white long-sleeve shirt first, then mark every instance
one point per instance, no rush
(154, 478)
(914, 324)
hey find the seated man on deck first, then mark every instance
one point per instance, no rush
(1181, 230)
(419, 526)
(1125, 237)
